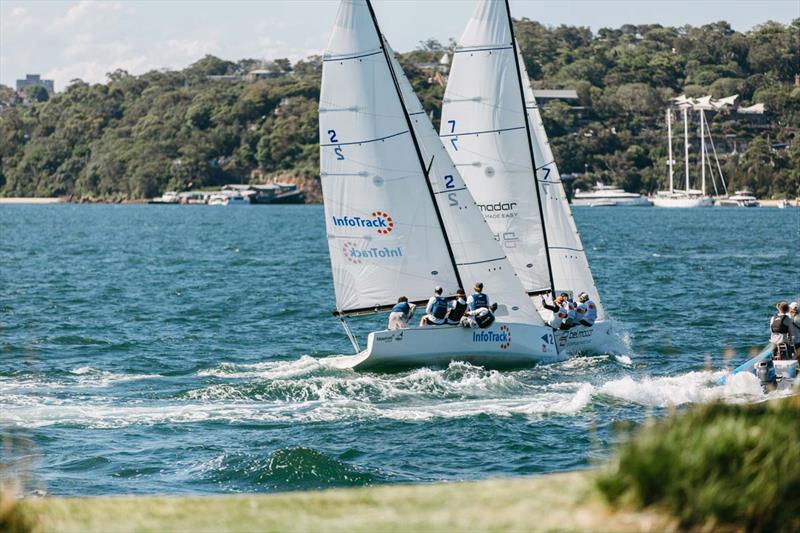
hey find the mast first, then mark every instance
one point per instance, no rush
(669, 143)
(416, 143)
(703, 150)
(530, 148)
(686, 144)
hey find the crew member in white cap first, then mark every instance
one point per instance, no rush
(586, 310)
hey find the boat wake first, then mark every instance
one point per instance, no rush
(311, 390)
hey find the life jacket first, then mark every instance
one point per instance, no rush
(439, 307)
(479, 300)
(778, 325)
(401, 307)
(571, 309)
(587, 311)
(457, 311)
(484, 320)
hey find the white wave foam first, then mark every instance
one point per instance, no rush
(693, 387)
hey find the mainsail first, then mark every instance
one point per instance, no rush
(483, 129)
(407, 172)
(483, 89)
(384, 238)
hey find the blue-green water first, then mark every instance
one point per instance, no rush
(165, 349)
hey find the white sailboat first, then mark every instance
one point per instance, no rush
(492, 128)
(688, 197)
(400, 219)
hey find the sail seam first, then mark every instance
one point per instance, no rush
(367, 141)
(566, 248)
(484, 261)
(451, 190)
(479, 132)
(347, 58)
(481, 49)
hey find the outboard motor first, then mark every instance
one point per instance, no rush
(765, 371)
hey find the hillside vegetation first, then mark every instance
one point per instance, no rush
(137, 136)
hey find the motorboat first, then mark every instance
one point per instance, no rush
(603, 195)
(743, 198)
(228, 198)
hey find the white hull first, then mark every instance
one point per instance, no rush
(499, 346)
(597, 339)
(611, 202)
(682, 202)
(438, 346)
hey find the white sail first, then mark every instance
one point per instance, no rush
(483, 129)
(384, 237)
(478, 256)
(568, 260)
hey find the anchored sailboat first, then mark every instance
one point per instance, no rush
(399, 217)
(688, 197)
(492, 128)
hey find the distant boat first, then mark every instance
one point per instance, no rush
(687, 197)
(168, 198)
(226, 198)
(607, 196)
(743, 198)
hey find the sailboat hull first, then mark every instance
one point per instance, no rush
(501, 346)
(681, 202)
(598, 339)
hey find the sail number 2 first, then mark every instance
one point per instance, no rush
(338, 149)
(448, 184)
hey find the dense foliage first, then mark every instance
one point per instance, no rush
(716, 464)
(137, 136)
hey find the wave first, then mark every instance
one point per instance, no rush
(294, 468)
(309, 390)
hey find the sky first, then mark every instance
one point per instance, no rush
(67, 39)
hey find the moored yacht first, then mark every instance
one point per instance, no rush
(605, 195)
(743, 198)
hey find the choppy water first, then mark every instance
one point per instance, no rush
(165, 349)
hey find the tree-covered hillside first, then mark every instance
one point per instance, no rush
(137, 136)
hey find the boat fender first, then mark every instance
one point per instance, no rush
(439, 308)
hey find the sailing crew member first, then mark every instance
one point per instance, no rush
(401, 313)
(794, 330)
(457, 308)
(436, 310)
(478, 299)
(560, 309)
(586, 310)
(780, 332)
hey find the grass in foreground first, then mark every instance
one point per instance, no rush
(559, 501)
(717, 464)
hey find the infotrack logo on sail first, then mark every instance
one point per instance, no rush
(380, 221)
(355, 254)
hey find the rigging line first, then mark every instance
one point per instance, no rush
(485, 131)
(367, 141)
(346, 58)
(414, 139)
(524, 102)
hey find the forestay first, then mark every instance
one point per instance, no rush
(383, 234)
(568, 260)
(478, 256)
(483, 129)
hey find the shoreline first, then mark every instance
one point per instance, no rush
(563, 501)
